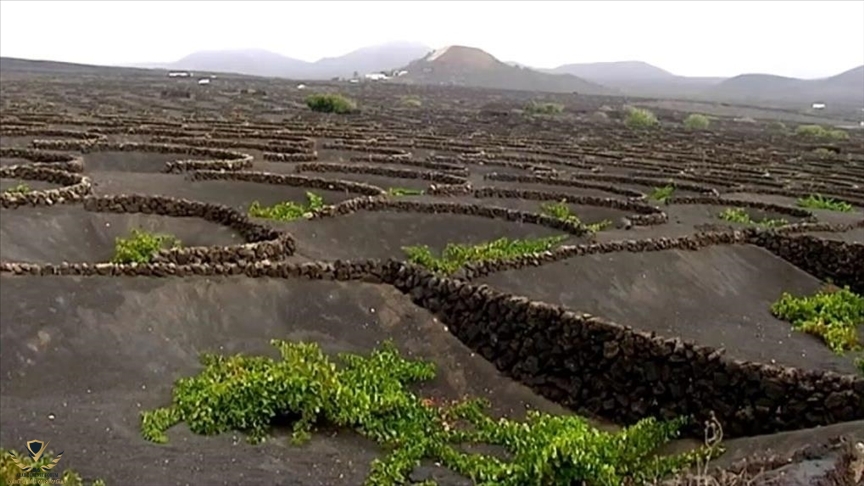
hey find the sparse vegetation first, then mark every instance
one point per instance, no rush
(11, 474)
(777, 127)
(331, 103)
(740, 215)
(411, 101)
(536, 108)
(833, 314)
(817, 201)
(640, 118)
(287, 210)
(822, 153)
(696, 121)
(456, 255)
(662, 194)
(141, 246)
(18, 189)
(560, 210)
(402, 191)
(818, 132)
(370, 395)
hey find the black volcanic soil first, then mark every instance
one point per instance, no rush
(237, 194)
(382, 234)
(94, 354)
(132, 161)
(71, 234)
(6, 184)
(718, 296)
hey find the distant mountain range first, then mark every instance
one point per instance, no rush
(469, 66)
(259, 62)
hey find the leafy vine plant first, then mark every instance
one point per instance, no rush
(370, 394)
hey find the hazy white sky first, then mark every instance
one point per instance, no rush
(696, 38)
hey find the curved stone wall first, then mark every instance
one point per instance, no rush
(385, 204)
(644, 214)
(221, 159)
(555, 181)
(719, 201)
(263, 243)
(287, 180)
(76, 186)
(426, 175)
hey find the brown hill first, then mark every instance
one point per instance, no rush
(469, 66)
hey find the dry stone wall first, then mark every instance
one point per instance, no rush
(385, 204)
(602, 368)
(76, 186)
(555, 181)
(426, 175)
(719, 201)
(263, 242)
(287, 180)
(221, 159)
(644, 214)
(838, 261)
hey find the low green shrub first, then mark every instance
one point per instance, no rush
(370, 395)
(640, 118)
(662, 194)
(536, 108)
(860, 364)
(817, 201)
(457, 255)
(822, 153)
(18, 189)
(739, 215)
(832, 314)
(141, 246)
(331, 103)
(287, 210)
(821, 133)
(411, 101)
(11, 474)
(696, 122)
(402, 191)
(560, 210)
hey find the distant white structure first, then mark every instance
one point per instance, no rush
(204, 81)
(818, 106)
(355, 81)
(178, 74)
(401, 73)
(376, 77)
(301, 86)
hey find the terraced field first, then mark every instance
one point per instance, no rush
(653, 298)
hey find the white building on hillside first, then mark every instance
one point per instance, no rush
(818, 106)
(204, 81)
(376, 77)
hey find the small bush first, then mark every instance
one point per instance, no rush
(777, 127)
(456, 255)
(823, 153)
(369, 394)
(536, 108)
(860, 364)
(402, 191)
(560, 210)
(739, 215)
(662, 194)
(331, 103)
(696, 122)
(141, 246)
(817, 201)
(288, 210)
(412, 101)
(18, 189)
(639, 118)
(11, 474)
(833, 315)
(817, 132)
